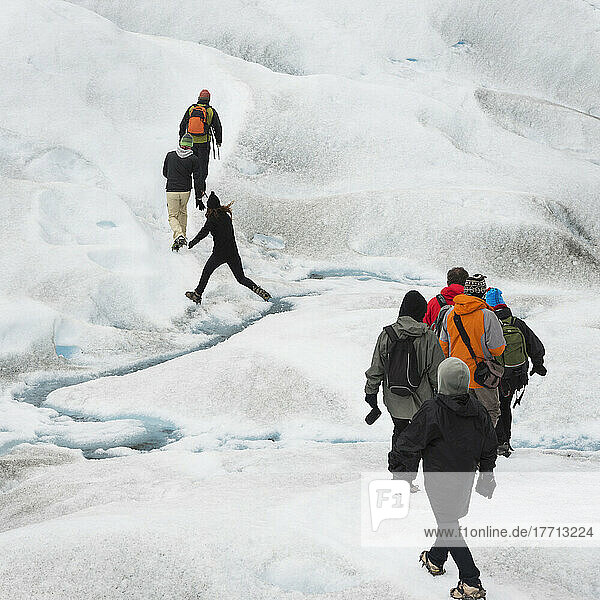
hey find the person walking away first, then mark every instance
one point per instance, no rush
(454, 435)
(219, 224)
(179, 167)
(406, 359)
(522, 344)
(455, 280)
(202, 122)
(472, 332)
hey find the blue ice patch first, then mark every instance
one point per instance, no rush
(105, 224)
(67, 351)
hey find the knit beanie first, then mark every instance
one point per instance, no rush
(413, 305)
(204, 97)
(187, 141)
(476, 285)
(213, 201)
(494, 297)
(453, 377)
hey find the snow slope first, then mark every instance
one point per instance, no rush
(407, 138)
(370, 147)
(299, 375)
(255, 524)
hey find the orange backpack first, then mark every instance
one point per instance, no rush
(198, 121)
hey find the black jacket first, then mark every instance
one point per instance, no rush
(179, 171)
(533, 345)
(451, 434)
(454, 436)
(221, 229)
(215, 124)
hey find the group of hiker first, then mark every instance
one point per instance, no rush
(450, 369)
(199, 131)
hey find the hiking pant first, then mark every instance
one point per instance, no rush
(399, 426)
(177, 208)
(202, 151)
(467, 570)
(489, 398)
(234, 262)
(503, 427)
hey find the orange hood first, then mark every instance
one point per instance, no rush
(464, 305)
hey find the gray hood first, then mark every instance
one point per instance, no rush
(183, 152)
(453, 377)
(408, 327)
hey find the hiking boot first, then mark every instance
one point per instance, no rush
(262, 293)
(193, 297)
(180, 242)
(432, 568)
(504, 449)
(465, 591)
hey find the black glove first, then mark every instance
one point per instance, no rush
(486, 484)
(372, 416)
(539, 369)
(199, 205)
(371, 400)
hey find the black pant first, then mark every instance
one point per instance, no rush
(202, 151)
(399, 426)
(503, 426)
(234, 262)
(467, 570)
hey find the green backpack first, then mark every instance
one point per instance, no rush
(515, 353)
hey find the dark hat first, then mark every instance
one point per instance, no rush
(213, 201)
(476, 285)
(413, 305)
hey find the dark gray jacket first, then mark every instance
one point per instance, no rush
(429, 356)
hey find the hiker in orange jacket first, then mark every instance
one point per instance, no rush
(485, 334)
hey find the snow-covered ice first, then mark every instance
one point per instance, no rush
(368, 149)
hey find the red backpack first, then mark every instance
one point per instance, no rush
(198, 121)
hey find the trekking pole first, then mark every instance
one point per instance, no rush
(212, 141)
(218, 152)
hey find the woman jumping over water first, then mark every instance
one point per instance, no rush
(219, 225)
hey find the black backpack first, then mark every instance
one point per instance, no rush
(401, 368)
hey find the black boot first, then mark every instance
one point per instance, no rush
(431, 567)
(262, 293)
(194, 297)
(180, 242)
(464, 591)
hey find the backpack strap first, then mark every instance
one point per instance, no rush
(442, 301)
(439, 321)
(464, 336)
(391, 333)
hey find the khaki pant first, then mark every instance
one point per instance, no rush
(489, 398)
(177, 207)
